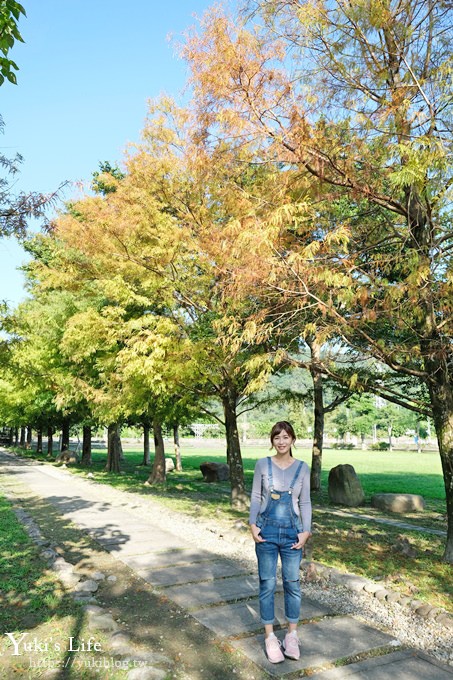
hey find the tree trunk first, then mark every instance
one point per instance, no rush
(50, 441)
(442, 404)
(86, 446)
(29, 437)
(16, 436)
(389, 431)
(318, 413)
(118, 444)
(65, 435)
(22, 438)
(39, 440)
(113, 452)
(146, 429)
(158, 475)
(177, 448)
(239, 498)
(11, 436)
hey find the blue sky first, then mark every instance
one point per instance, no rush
(87, 69)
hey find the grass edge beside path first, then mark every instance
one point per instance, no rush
(36, 609)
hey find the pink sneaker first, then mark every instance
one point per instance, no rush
(273, 649)
(291, 645)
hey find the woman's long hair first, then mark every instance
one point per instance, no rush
(283, 426)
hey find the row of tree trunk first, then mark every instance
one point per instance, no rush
(158, 472)
(23, 437)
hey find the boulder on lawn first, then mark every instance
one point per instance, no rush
(398, 502)
(215, 472)
(169, 465)
(345, 487)
(67, 457)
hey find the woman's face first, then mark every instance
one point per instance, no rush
(282, 442)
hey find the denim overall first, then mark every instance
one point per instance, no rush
(279, 528)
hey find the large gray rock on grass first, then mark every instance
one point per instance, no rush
(67, 457)
(398, 502)
(215, 472)
(345, 487)
(169, 465)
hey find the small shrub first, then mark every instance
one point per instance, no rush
(213, 432)
(348, 446)
(380, 446)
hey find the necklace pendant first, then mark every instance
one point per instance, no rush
(275, 496)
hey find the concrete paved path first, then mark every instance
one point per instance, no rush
(220, 593)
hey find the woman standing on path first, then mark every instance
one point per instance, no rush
(280, 521)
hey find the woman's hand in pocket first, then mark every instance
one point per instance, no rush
(256, 533)
(302, 538)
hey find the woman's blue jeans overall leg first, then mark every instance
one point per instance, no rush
(279, 527)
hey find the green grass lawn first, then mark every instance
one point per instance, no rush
(355, 545)
(396, 471)
(391, 471)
